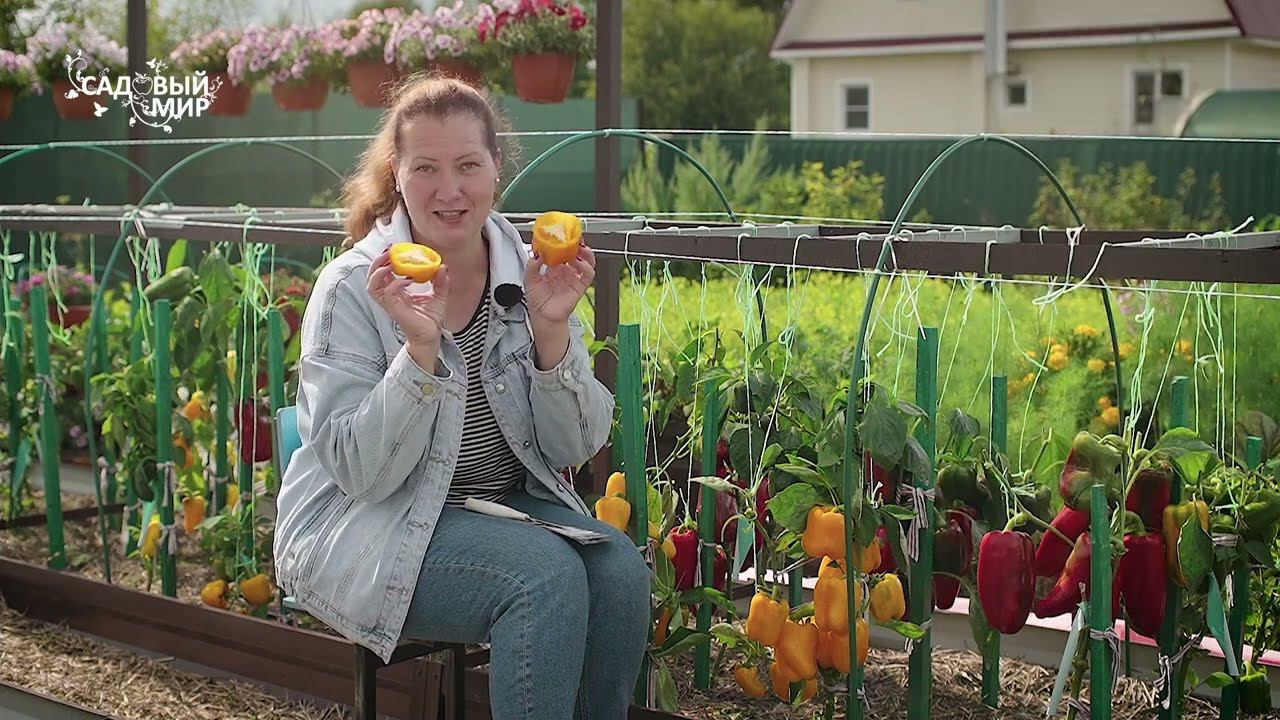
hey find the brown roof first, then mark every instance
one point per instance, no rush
(1256, 18)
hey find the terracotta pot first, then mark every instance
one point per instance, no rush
(543, 78)
(6, 103)
(372, 82)
(464, 71)
(306, 95)
(74, 315)
(79, 108)
(231, 99)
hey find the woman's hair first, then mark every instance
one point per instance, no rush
(370, 193)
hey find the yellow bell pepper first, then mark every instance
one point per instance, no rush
(214, 594)
(557, 237)
(192, 512)
(765, 619)
(151, 540)
(256, 590)
(748, 678)
(831, 598)
(833, 648)
(798, 648)
(887, 600)
(824, 532)
(414, 261)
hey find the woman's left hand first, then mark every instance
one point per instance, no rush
(553, 296)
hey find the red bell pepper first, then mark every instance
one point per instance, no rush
(720, 569)
(945, 591)
(686, 559)
(1067, 592)
(874, 473)
(952, 544)
(1006, 583)
(254, 430)
(1149, 494)
(1141, 582)
(1053, 552)
(887, 562)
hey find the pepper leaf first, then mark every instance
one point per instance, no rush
(898, 512)
(728, 635)
(177, 256)
(913, 410)
(1259, 551)
(746, 445)
(682, 639)
(1216, 616)
(963, 425)
(668, 699)
(700, 595)
(984, 636)
(1219, 680)
(907, 630)
(771, 454)
(805, 474)
(1195, 552)
(916, 460)
(791, 506)
(883, 432)
(664, 575)
(718, 484)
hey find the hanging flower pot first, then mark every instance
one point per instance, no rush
(301, 95)
(231, 99)
(73, 316)
(6, 103)
(460, 69)
(544, 77)
(371, 82)
(77, 108)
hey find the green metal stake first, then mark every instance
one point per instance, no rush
(707, 525)
(135, 355)
(245, 369)
(1170, 632)
(13, 382)
(1100, 670)
(164, 445)
(99, 331)
(275, 358)
(1240, 593)
(50, 435)
(919, 703)
(1000, 438)
(630, 399)
(854, 709)
(222, 433)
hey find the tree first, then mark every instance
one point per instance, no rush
(1128, 197)
(703, 64)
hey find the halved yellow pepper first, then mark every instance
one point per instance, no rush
(414, 261)
(557, 236)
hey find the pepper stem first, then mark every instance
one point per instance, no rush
(1017, 520)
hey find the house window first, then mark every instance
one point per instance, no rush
(857, 107)
(1171, 83)
(1144, 98)
(1015, 93)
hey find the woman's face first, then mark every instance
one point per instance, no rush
(448, 178)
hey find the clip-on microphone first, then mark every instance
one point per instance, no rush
(509, 295)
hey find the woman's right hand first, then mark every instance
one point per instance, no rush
(419, 315)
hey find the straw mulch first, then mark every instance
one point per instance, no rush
(69, 666)
(957, 693)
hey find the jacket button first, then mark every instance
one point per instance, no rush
(526, 443)
(501, 388)
(427, 389)
(566, 374)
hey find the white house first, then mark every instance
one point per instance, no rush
(1020, 66)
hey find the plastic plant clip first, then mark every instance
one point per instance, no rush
(1068, 653)
(1217, 621)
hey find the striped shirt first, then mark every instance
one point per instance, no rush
(487, 468)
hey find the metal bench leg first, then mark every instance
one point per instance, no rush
(366, 684)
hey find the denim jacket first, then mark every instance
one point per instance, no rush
(380, 436)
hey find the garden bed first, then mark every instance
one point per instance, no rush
(956, 691)
(67, 665)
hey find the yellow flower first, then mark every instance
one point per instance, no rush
(1058, 348)
(1104, 402)
(1032, 355)
(1111, 416)
(1188, 358)
(1184, 347)
(1087, 330)
(1126, 349)
(1097, 365)
(1049, 340)
(1057, 360)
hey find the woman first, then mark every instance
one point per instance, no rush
(412, 400)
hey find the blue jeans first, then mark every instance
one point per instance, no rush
(567, 623)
